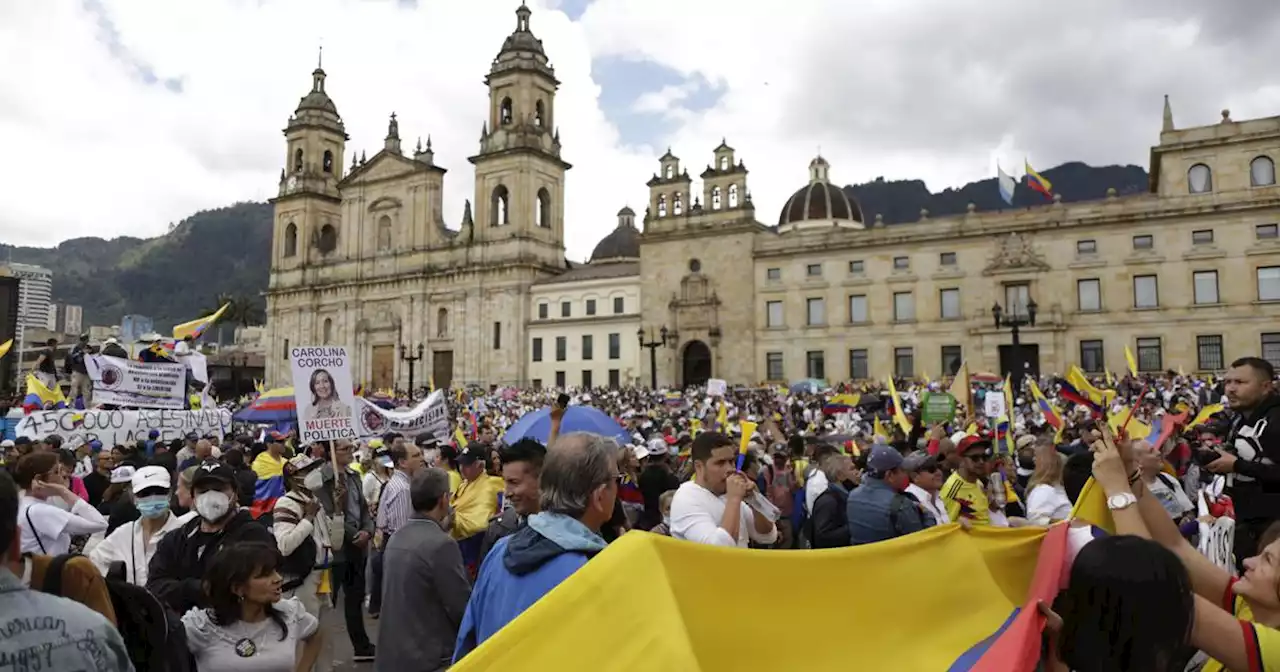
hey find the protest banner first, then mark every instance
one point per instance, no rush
(126, 382)
(122, 427)
(430, 416)
(937, 407)
(321, 376)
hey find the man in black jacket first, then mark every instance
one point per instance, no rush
(1250, 458)
(183, 556)
(521, 467)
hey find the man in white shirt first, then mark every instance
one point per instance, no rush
(711, 508)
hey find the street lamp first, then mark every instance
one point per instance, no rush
(1014, 323)
(653, 345)
(407, 356)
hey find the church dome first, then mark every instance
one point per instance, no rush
(623, 243)
(819, 203)
(317, 99)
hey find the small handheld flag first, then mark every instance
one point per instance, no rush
(748, 428)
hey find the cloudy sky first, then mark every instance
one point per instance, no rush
(118, 117)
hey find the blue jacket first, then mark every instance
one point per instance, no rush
(519, 570)
(877, 512)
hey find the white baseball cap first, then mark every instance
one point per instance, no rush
(122, 474)
(147, 477)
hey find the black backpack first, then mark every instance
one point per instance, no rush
(154, 636)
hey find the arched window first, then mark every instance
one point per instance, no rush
(290, 239)
(733, 195)
(671, 172)
(538, 114)
(328, 239)
(328, 161)
(504, 114)
(724, 163)
(676, 206)
(662, 205)
(384, 233)
(715, 198)
(1199, 179)
(328, 331)
(498, 214)
(1262, 172)
(297, 160)
(442, 323)
(542, 216)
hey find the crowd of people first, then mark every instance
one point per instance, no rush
(226, 552)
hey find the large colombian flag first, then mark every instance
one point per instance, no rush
(654, 603)
(270, 484)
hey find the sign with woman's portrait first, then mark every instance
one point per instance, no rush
(323, 392)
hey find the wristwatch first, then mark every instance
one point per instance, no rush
(1121, 500)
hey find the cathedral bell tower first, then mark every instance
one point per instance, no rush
(519, 173)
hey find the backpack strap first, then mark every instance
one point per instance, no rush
(35, 534)
(52, 584)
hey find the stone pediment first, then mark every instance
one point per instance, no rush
(1015, 252)
(383, 166)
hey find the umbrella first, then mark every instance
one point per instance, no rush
(870, 400)
(810, 385)
(537, 424)
(985, 377)
(273, 406)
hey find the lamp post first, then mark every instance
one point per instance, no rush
(653, 345)
(1014, 323)
(407, 356)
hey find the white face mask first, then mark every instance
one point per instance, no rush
(213, 505)
(314, 481)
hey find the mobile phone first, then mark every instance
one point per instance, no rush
(562, 401)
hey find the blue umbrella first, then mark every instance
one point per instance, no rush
(537, 424)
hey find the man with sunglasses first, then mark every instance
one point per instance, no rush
(964, 494)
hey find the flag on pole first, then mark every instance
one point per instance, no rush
(4, 347)
(899, 417)
(196, 328)
(1007, 184)
(1133, 363)
(1037, 182)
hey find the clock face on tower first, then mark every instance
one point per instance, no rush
(291, 184)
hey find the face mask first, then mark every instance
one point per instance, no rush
(213, 505)
(666, 520)
(313, 481)
(153, 506)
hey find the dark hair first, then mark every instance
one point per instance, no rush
(427, 487)
(525, 450)
(8, 511)
(1128, 606)
(821, 450)
(54, 440)
(398, 453)
(32, 466)
(1076, 472)
(67, 458)
(236, 564)
(707, 442)
(234, 457)
(1258, 364)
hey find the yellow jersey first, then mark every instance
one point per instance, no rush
(965, 499)
(1261, 643)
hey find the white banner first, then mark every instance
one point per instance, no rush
(125, 382)
(121, 427)
(323, 393)
(430, 416)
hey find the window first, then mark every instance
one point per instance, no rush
(286, 349)
(1089, 295)
(1199, 179)
(586, 378)
(328, 239)
(1016, 297)
(815, 364)
(904, 307)
(504, 114)
(615, 379)
(951, 356)
(1269, 283)
(586, 346)
(733, 195)
(291, 239)
(856, 267)
(1270, 348)
(560, 379)
(1202, 237)
(1267, 231)
(695, 266)
(677, 206)
(327, 166)
(858, 369)
(1143, 242)
(564, 309)
(947, 259)
(615, 346)
(817, 315)
(1206, 286)
(1091, 359)
(297, 160)
(537, 383)
(662, 204)
(497, 335)
(1209, 353)
(858, 309)
(562, 344)
(542, 215)
(591, 306)
(618, 305)
(773, 366)
(904, 362)
(328, 331)
(949, 301)
(1088, 246)
(498, 203)
(1149, 356)
(1262, 172)
(542, 311)
(715, 198)
(773, 314)
(901, 263)
(773, 274)
(813, 270)
(537, 349)
(1146, 291)
(538, 113)
(442, 323)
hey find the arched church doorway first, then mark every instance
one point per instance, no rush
(697, 364)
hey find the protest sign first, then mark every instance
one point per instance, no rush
(126, 382)
(993, 405)
(122, 427)
(430, 416)
(937, 407)
(321, 381)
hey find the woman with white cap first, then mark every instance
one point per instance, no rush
(132, 545)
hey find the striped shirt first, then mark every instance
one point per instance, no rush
(395, 506)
